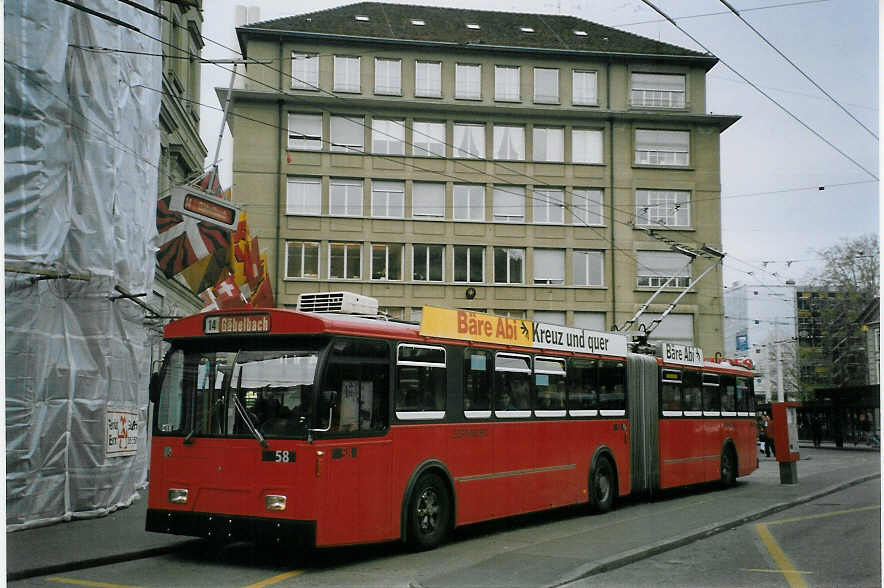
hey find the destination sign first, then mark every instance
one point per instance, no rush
(682, 354)
(239, 323)
(486, 328)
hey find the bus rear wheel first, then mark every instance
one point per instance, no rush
(728, 467)
(429, 513)
(602, 486)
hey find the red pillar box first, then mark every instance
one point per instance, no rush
(784, 430)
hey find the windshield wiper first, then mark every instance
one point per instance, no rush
(240, 409)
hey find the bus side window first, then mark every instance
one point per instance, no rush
(421, 382)
(477, 383)
(358, 372)
(711, 394)
(512, 385)
(728, 393)
(170, 410)
(670, 392)
(692, 401)
(583, 398)
(612, 387)
(549, 382)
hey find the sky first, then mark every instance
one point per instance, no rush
(785, 192)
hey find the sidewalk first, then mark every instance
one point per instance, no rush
(85, 543)
(120, 536)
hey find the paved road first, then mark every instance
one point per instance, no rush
(833, 541)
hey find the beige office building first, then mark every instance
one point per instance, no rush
(534, 166)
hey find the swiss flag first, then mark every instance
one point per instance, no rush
(228, 295)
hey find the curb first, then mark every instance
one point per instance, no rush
(645, 552)
(96, 562)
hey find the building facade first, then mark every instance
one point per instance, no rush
(182, 152)
(533, 166)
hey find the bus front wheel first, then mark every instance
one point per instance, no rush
(602, 486)
(429, 512)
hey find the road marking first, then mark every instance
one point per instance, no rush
(87, 583)
(825, 514)
(783, 562)
(770, 571)
(275, 579)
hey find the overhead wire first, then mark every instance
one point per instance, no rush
(797, 68)
(762, 92)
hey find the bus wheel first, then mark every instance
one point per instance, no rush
(429, 512)
(728, 467)
(601, 486)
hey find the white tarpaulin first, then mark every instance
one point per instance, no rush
(81, 157)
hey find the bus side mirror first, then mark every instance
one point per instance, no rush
(155, 385)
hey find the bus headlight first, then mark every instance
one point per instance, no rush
(178, 495)
(275, 502)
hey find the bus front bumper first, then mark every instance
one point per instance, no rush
(230, 528)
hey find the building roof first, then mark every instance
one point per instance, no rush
(378, 21)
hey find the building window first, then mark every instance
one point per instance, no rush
(590, 320)
(428, 79)
(550, 317)
(549, 266)
(468, 81)
(428, 138)
(347, 133)
(428, 262)
(428, 200)
(586, 146)
(675, 328)
(469, 141)
(469, 264)
(548, 206)
(386, 261)
(589, 267)
(546, 85)
(549, 144)
(302, 259)
(388, 76)
(344, 261)
(586, 206)
(469, 202)
(508, 265)
(507, 83)
(305, 71)
(305, 132)
(304, 196)
(347, 74)
(345, 197)
(658, 90)
(662, 147)
(663, 208)
(509, 142)
(584, 88)
(654, 268)
(387, 199)
(388, 136)
(509, 204)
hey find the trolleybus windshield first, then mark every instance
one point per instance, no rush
(201, 389)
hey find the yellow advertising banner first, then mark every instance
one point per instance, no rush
(475, 326)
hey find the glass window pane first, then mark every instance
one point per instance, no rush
(388, 136)
(305, 132)
(586, 146)
(347, 133)
(507, 83)
(586, 207)
(509, 204)
(428, 79)
(653, 147)
(387, 76)
(469, 202)
(549, 144)
(304, 196)
(346, 74)
(468, 81)
(668, 208)
(388, 199)
(546, 85)
(509, 142)
(549, 266)
(305, 71)
(588, 268)
(548, 205)
(428, 200)
(583, 88)
(428, 138)
(469, 141)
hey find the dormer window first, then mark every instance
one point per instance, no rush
(361, 18)
(580, 33)
(418, 22)
(526, 29)
(473, 26)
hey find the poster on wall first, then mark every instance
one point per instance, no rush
(122, 433)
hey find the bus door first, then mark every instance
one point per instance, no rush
(643, 422)
(353, 453)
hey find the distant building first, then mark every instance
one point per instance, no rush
(760, 324)
(870, 324)
(472, 159)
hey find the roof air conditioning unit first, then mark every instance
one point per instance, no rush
(340, 302)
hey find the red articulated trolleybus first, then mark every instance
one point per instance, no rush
(330, 429)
